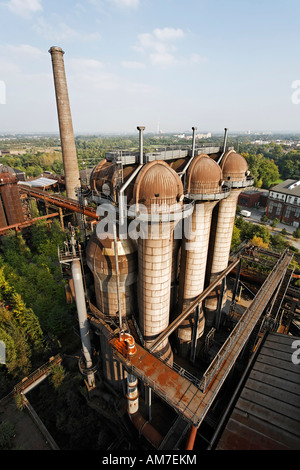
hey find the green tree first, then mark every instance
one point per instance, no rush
(263, 170)
(7, 432)
(236, 237)
(275, 222)
(296, 233)
(58, 374)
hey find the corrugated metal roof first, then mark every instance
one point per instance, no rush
(41, 182)
(267, 413)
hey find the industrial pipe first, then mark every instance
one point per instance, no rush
(224, 145)
(193, 153)
(141, 424)
(191, 438)
(117, 275)
(146, 429)
(132, 394)
(82, 318)
(141, 129)
(131, 178)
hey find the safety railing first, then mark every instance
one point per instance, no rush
(252, 313)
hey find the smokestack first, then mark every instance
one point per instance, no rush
(65, 123)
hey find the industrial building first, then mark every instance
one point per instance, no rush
(284, 202)
(156, 289)
(253, 198)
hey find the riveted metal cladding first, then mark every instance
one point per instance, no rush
(101, 261)
(3, 221)
(71, 171)
(235, 171)
(203, 180)
(11, 201)
(158, 190)
(106, 179)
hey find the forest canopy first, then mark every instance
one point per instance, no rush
(33, 305)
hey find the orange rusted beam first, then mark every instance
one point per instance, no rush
(22, 225)
(61, 201)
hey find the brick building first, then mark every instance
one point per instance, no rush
(284, 202)
(253, 198)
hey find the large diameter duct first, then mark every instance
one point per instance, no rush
(158, 193)
(70, 163)
(83, 320)
(235, 174)
(114, 267)
(11, 200)
(204, 186)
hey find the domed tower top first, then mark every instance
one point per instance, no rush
(6, 178)
(158, 187)
(204, 176)
(234, 167)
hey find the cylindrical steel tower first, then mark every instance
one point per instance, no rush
(204, 186)
(158, 202)
(101, 260)
(235, 175)
(11, 199)
(115, 290)
(3, 221)
(70, 163)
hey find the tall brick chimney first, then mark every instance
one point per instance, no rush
(65, 123)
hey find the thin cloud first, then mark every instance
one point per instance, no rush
(161, 48)
(160, 45)
(168, 34)
(129, 64)
(95, 75)
(125, 3)
(24, 8)
(61, 32)
(23, 50)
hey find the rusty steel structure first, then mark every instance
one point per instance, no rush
(57, 200)
(153, 282)
(166, 294)
(11, 211)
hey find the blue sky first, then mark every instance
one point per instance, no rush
(168, 63)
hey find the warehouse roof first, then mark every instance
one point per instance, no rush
(291, 187)
(41, 182)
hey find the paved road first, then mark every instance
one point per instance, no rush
(255, 217)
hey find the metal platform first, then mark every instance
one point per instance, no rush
(190, 401)
(267, 413)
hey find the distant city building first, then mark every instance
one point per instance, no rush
(203, 136)
(198, 136)
(284, 202)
